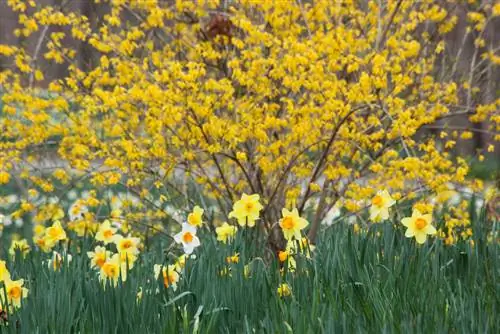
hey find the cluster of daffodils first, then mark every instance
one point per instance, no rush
(113, 266)
(170, 274)
(418, 225)
(12, 292)
(187, 236)
(47, 238)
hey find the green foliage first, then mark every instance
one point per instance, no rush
(374, 281)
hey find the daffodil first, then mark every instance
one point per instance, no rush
(292, 224)
(4, 272)
(284, 290)
(113, 269)
(98, 257)
(105, 233)
(181, 262)
(14, 291)
(169, 275)
(187, 237)
(54, 234)
(21, 246)
(380, 204)
(226, 232)
(195, 218)
(247, 210)
(128, 248)
(57, 260)
(233, 258)
(418, 226)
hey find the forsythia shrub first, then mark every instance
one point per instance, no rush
(309, 104)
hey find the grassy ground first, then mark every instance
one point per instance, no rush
(371, 281)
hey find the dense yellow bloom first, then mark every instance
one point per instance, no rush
(19, 245)
(380, 204)
(113, 269)
(418, 226)
(169, 275)
(98, 257)
(105, 233)
(15, 292)
(293, 111)
(292, 224)
(246, 210)
(284, 290)
(195, 217)
(225, 232)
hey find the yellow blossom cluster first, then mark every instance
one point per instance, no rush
(303, 104)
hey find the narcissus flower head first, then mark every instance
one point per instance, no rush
(380, 204)
(54, 234)
(21, 246)
(284, 290)
(112, 270)
(187, 237)
(195, 218)
(226, 232)
(292, 224)
(105, 233)
(418, 226)
(4, 272)
(246, 210)
(58, 260)
(169, 275)
(14, 291)
(98, 257)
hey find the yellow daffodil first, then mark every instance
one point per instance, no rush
(246, 210)
(181, 262)
(195, 217)
(283, 256)
(226, 232)
(419, 226)
(21, 245)
(169, 274)
(105, 233)
(98, 257)
(292, 224)
(4, 272)
(284, 290)
(14, 291)
(54, 234)
(113, 269)
(380, 204)
(126, 244)
(233, 258)
(187, 237)
(58, 260)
